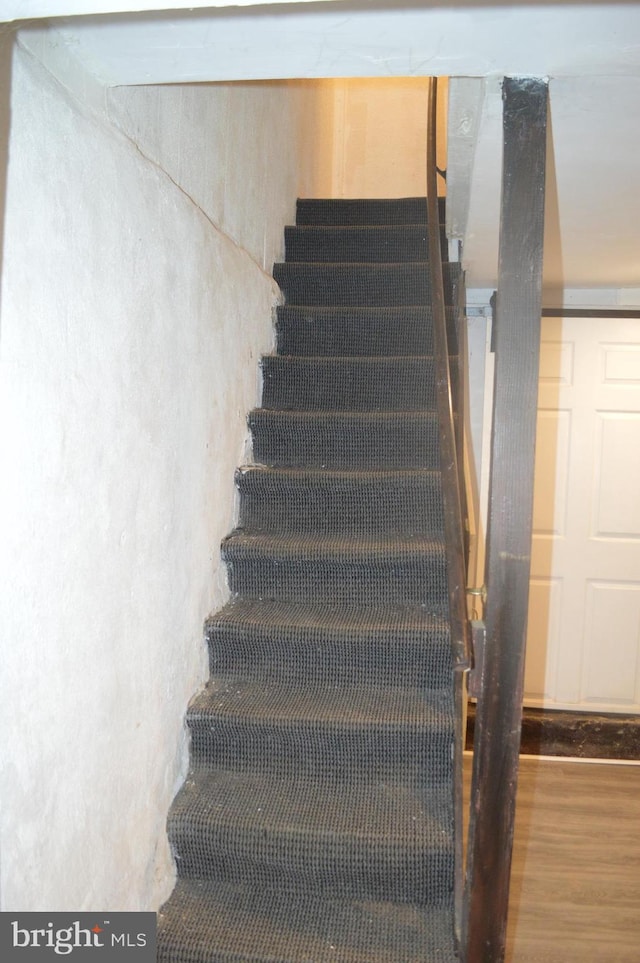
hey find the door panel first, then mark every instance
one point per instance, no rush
(616, 498)
(550, 492)
(583, 644)
(543, 635)
(611, 647)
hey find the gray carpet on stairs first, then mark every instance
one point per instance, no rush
(316, 822)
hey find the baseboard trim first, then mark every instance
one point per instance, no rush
(574, 734)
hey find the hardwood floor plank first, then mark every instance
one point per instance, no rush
(575, 887)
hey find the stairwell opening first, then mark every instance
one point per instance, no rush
(321, 777)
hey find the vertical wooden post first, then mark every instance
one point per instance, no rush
(517, 348)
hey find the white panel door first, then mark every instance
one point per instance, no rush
(583, 642)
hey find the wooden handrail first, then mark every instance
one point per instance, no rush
(500, 683)
(451, 473)
(454, 529)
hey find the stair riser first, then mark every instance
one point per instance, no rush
(290, 442)
(321, 332)
(378, 285)
(328, 868)
(340, 211)
(328, 244)
(272, 658)
(419, 581)
(393, 507)
(348, 385)
(317, 749)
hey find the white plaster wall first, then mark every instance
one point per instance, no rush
(132, 324)
(235, 149)
(380, 136)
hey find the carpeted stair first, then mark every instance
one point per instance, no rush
(316, 823)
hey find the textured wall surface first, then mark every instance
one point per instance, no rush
(135, 305)
(380, 136)
(235, 149)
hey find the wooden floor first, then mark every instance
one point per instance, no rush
(575, 885)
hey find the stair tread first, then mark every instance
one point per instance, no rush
(354, 707)
(412, 226)
(337, 475)
(339, 548)
(348, 416)
(263, 479)
(357, 360)
(370, 267)
(362, 312)
(357, 315)
(369, 270)
(386, 415)
(216, 922)
(405, 813)
(346, 620)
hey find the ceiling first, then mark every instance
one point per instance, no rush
(590, 52)
(592, 201)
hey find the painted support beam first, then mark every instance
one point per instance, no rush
(517, 349)
(39, 9)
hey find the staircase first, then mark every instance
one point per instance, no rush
(316, 822)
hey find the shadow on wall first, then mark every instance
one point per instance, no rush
(6, 48)
(7, 35)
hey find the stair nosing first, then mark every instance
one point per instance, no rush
(360, 413)
(349, 547)
(351, 358)
(380, 617)
(382, 474)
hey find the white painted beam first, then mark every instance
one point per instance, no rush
(358, 40)
(466, 95)
(45, 9)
